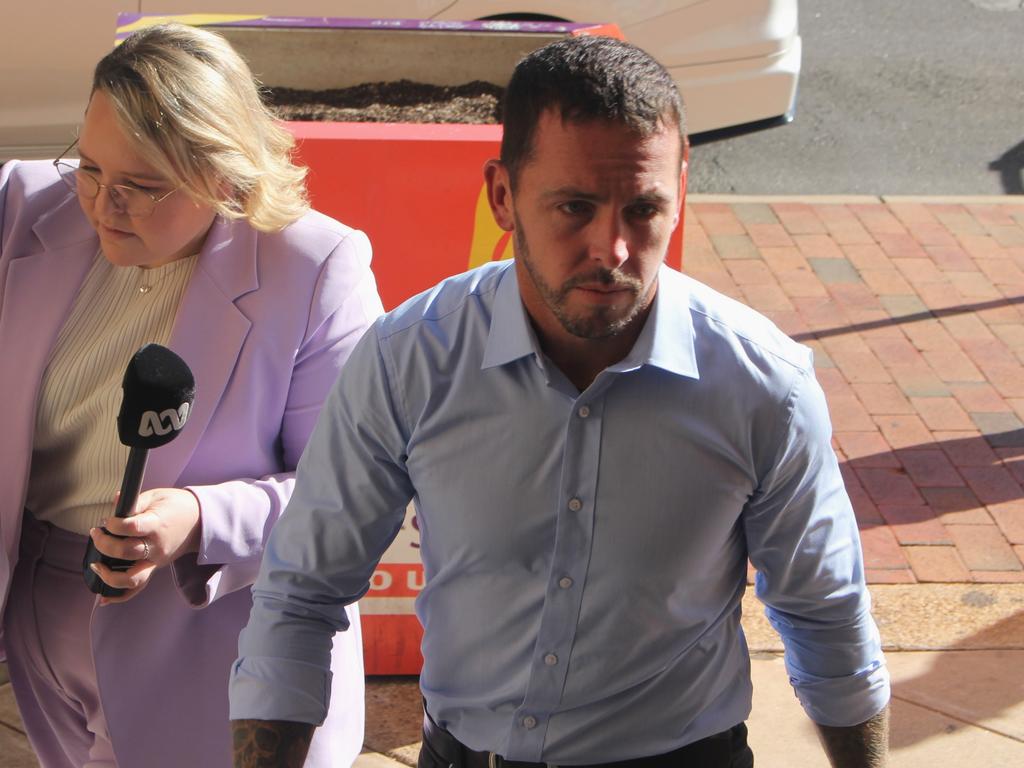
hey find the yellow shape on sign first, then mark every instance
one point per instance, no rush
(192, 19)
(490, 242)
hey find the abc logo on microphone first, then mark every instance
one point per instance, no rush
(158, 392)
(162, 423)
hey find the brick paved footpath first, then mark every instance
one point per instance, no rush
(915, 311)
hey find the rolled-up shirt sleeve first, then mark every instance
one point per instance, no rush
(803, 540)
(349, 502)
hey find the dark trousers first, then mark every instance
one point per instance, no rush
(727, 749)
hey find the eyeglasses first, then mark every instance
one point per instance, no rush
(133, 201)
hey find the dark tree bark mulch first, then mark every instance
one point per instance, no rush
(400, 101)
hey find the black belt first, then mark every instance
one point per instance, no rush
(712, 752)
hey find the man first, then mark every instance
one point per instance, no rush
(595, 445)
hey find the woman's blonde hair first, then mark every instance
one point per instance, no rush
(192, 105)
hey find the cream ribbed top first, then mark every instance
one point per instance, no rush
(77, 458)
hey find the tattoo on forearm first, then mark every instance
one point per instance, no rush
(858, 746)
(270, 743)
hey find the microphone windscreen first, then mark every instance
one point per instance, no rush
(158, 390)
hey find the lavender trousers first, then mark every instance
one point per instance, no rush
(49, 652)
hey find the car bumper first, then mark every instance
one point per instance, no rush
(730, 93)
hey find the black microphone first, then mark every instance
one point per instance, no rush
(158, 390)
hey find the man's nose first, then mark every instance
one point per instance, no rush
(608, 244)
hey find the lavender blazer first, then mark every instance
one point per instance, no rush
(265, 323)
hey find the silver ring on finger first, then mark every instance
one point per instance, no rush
(145, 543)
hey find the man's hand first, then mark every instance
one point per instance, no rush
(270, 743)
(858, 746)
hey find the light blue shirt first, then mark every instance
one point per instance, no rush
(584, 553)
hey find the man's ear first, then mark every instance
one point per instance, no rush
(499, 193)
(682, 193)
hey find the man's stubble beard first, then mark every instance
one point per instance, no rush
(600, 322)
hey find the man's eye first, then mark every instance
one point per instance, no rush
(643, 211)
(576, 207)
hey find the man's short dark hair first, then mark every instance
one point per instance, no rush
(587, 78)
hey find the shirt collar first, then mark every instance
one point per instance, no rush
(665, 342)
(510, 336)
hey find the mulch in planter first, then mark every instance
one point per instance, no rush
(400, 101)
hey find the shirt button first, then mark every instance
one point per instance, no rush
(565, 582)
(583, 412)
(551, 659)
(529, 722)
(575, 505)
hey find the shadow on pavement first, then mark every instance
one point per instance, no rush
(1011, 169)
(917, 490)
(979, 687)
(930, 314)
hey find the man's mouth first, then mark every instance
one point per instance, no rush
(599, 294)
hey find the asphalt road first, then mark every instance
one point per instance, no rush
(899, 97)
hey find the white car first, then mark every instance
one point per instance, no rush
(737, 62)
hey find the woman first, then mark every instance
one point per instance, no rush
(185, 224)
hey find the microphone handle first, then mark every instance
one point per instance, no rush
(131, 483)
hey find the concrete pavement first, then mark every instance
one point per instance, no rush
(949, 708)
(928, 728)
(915, 310)
(955, 653)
